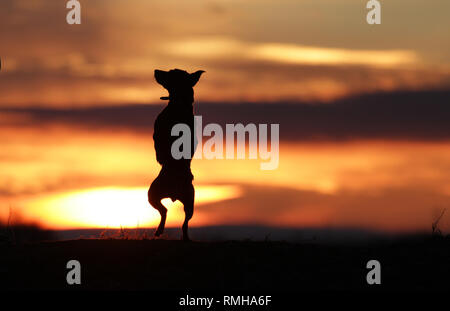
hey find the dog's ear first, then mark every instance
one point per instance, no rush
(195, 77)
(161, 77)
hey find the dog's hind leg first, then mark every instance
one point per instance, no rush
(154, 198)
(188, 203)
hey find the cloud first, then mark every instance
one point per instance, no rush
(394, 209)
(220, 48)
(259, 50)
(408, 116)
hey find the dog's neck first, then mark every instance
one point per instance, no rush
(181, 102)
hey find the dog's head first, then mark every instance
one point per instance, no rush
(179, 83)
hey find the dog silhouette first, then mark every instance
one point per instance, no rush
(175, 178)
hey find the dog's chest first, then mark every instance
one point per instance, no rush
(171, 116)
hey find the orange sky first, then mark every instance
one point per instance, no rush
(387, 171)
(251, 50)
(375, 184)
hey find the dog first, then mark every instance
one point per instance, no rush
(175, 178)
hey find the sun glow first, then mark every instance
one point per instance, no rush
(114, 207)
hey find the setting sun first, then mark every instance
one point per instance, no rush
(113, 207)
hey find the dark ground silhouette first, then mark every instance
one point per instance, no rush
(415, 263)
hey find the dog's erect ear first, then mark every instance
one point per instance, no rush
(161, 77)
(195, 77)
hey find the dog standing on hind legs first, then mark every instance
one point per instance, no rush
(175, 178)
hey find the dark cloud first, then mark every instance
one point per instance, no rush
(393, 208)
(411, 116)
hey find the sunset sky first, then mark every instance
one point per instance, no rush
(363, 110)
